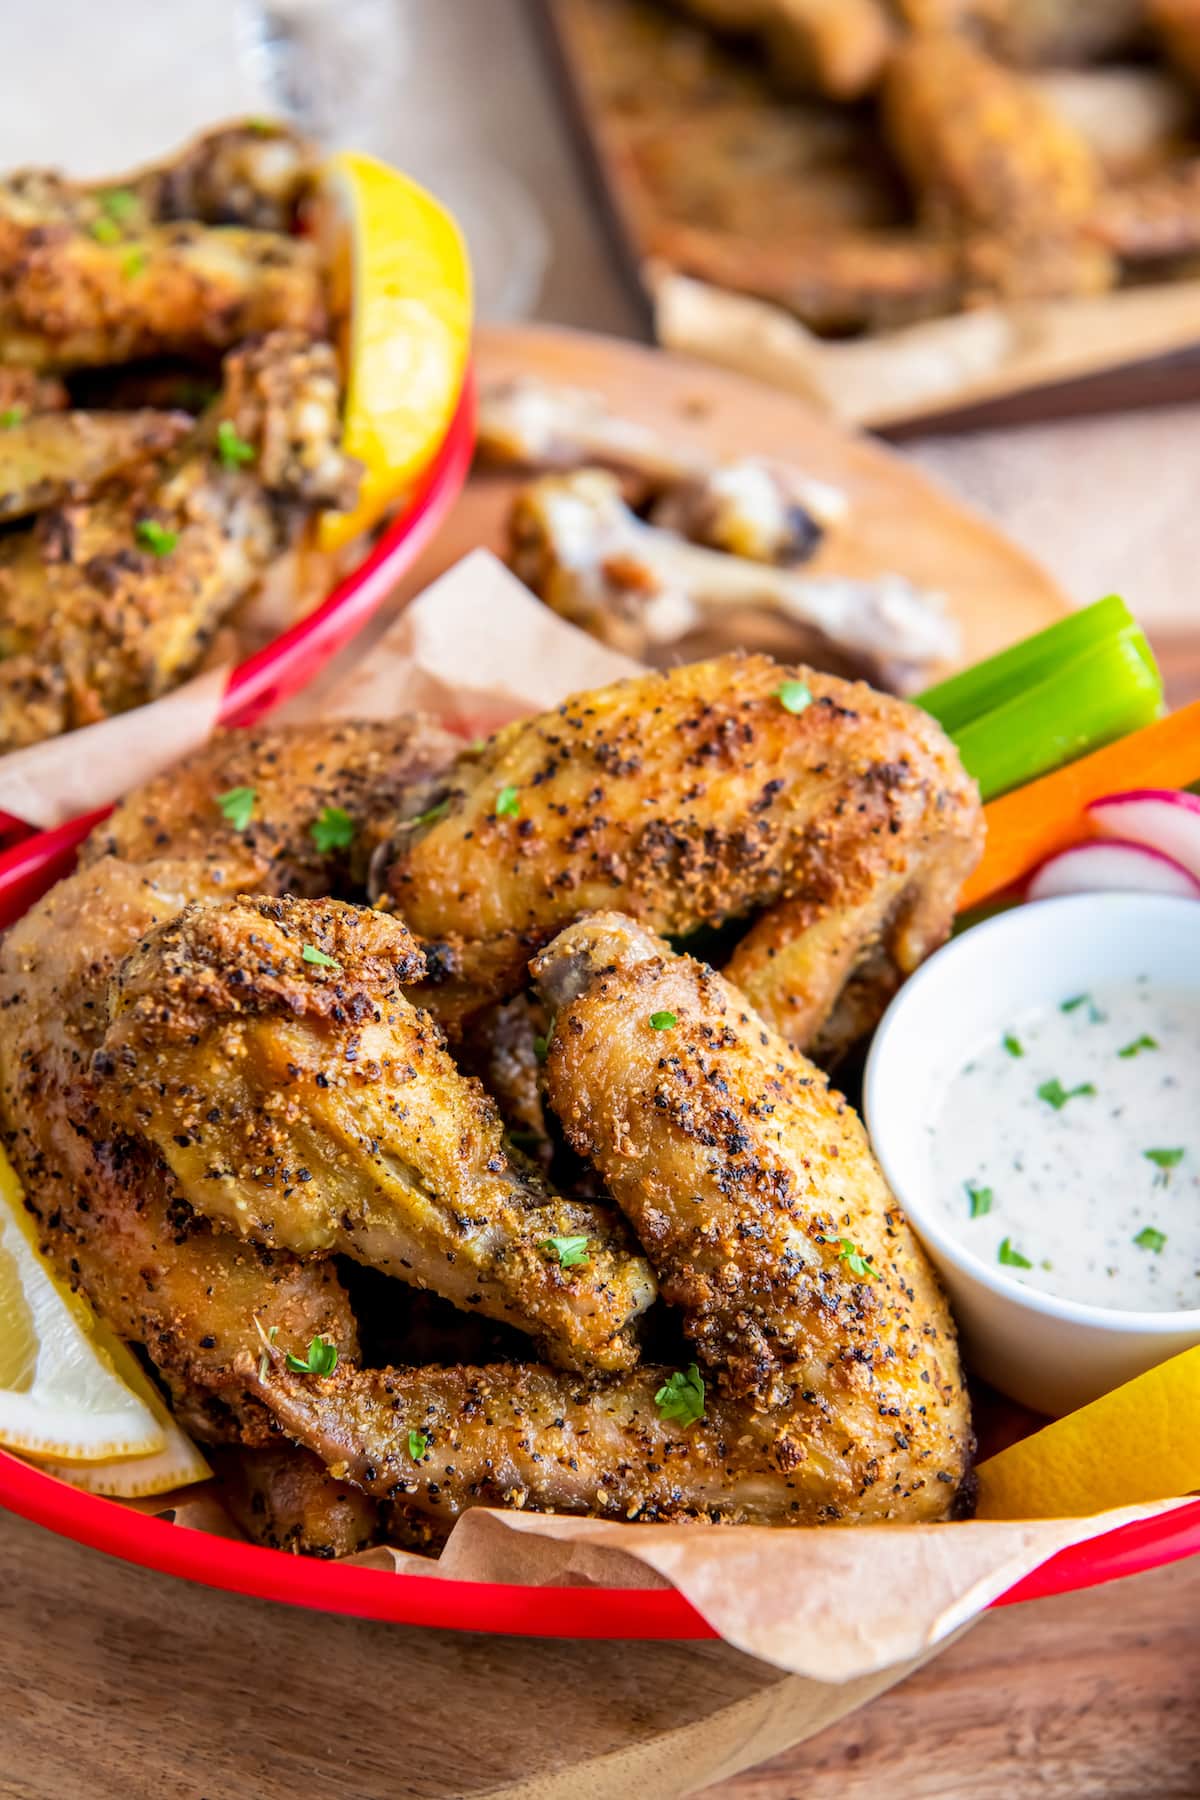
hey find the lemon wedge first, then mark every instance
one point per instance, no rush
(60, 1395)
(178, 1464)
(409, 329)
(1137, 1444)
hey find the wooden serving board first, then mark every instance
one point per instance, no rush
(900, 521)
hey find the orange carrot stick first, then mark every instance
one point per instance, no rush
(1030, 824)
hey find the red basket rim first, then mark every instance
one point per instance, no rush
(488, 1606)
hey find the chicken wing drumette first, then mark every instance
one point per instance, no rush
(266, 1049)
(827, 1383)
(835, 824)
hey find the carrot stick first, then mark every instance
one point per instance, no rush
(1027, 826)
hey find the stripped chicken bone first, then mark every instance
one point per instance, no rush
(636, 586)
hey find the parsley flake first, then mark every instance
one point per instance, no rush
(238, 806)
(855, 1261)
(318, 958)
(1013, 1045)
(507, 803)
(794, 696)
(12, 415)
(1164, 1159)
(233, 452)
(334, 830)
(1076, 1001)
(1145, 1042)
(322, 1359)
(105, 230)
(430, 814)
(571, 1252)
(118, 203)
(980, 1198)
(155, 537)
(1150, 1239)
(1012, 1259)
(541, 1048)
(1056, 1095)
(418, 1444)
(133, 263)
(662, 1021)
(680, 1399)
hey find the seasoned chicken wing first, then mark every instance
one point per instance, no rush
(110, 601)
(837, 47)
(267, 1050)
(50, 457)
(690, 799)
(286, 1498)
(827, 1384)
(1034, 32)
(81, 284)
(255, 172)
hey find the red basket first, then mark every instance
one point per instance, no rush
(281, 668)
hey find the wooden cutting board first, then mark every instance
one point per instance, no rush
(899, 521)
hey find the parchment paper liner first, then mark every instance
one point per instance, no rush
(835, 1605)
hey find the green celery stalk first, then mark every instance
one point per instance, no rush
(967, 696)
(1083, 703)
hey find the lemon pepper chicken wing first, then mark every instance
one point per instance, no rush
(688, 800)
(51, 457)
(266, 1049)
(833, 1389)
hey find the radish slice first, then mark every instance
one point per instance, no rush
(1111, 864)
(1163, 819)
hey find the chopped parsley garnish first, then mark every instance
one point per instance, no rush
(794, 696)
(238, 806)
(264, 1361)
(1076, 1001)
(1164, 1159)
(105, 230)
(1145, 1042)
(430, 814)
(262, 127)
(680, 1399)
(12, 415)
(233, 452)
(1013, 1045)
(1012, 1259)
(322, 1359)
(134, 263)
(507, 803)
(1056, 1095)
(318, 958)
(334, 830)
(855, 1261)
(980, 1198)
(118, 203)
(1150, 1239)
(418, 1444)
(662, 1021)
(155, 537)
(571, 1252)
(541, 1048)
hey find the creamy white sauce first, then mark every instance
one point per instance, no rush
(1063, 1180)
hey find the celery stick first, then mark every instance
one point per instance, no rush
(973, 692)
(1087, 702)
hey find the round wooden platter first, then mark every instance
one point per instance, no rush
(899, 520)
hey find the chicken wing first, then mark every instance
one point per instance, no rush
(266, 1049)
(254, 172)
(1035, 32)
(285, 1497)
(837, 47)
(827, 1383)
(80, 286)
(106, 603)
(688, 800)
(51, 457)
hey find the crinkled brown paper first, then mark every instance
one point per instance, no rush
(842, 1605)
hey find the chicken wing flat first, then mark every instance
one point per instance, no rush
(1035, 32)
(109, 1215)
(349, 775)
(108, 602)
(828, 1385)
(253, 172)
(51, 457)
(688, 800)
(285, 1498)
(266, 1049)
(81, 287)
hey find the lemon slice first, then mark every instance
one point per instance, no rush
(178, 1464)
(409, 330)
(59, 1393)
(1139, 1443)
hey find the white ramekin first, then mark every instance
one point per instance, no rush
(1051, 1354)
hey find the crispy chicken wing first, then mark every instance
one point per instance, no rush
(691, 799)
(266, 1048)
(837, 47)
(108, 602)
(1034, 32)
(286, 1498)
(80, 286)
(254, 172)
(832, 1383)
(51, 457)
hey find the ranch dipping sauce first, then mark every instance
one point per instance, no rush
(1066, 1152)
